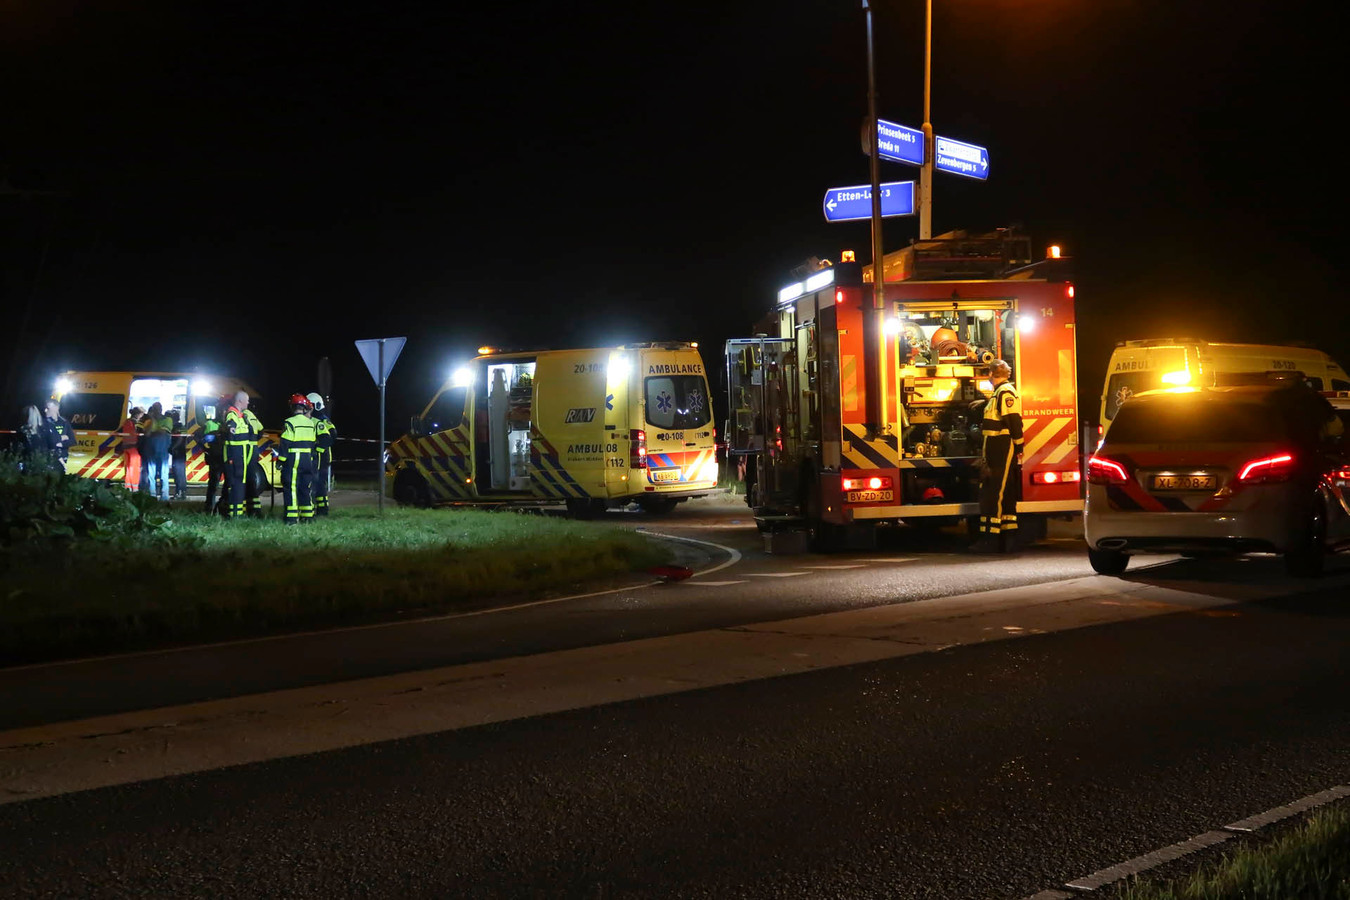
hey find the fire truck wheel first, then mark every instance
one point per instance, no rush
(410, 489)
(822, 537)
(658, 506)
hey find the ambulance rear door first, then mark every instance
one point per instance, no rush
(677, 412)
(569, 441)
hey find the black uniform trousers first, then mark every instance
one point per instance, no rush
(1002, 488)
(323, 474)
(297, 485)
(215, 479)
(238, 462)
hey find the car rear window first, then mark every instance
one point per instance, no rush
(1198, 422)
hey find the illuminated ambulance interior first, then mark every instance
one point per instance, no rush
(506, 394)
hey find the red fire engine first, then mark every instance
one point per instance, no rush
(846, 414)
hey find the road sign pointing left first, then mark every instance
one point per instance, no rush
(849, 204)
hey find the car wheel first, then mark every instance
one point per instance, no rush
(1309, 558)
(658, 506)
(411, 490)
(1108, 562)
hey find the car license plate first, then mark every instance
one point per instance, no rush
(870, 496)
(661, 476)
(1185, 482)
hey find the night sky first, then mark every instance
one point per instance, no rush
(248, 188)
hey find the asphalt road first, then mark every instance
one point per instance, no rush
(998, 747)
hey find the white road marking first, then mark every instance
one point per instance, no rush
(1162, 855)
(854, 566)
(714, 583)
(774, 574)
(899, 559)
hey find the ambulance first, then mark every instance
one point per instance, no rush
(97, 403)
(592, 429)
(1143, 365)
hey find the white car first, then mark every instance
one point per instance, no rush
(1200, 470)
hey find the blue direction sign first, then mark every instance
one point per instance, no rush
(960, 158)
(899, 143)
(849, 204)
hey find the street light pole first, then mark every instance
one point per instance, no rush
(872, 330)
(926, 171)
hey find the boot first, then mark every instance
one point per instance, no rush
(986, 543)
(1011, 542)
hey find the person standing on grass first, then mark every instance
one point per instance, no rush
(323, 456)
(178, 457)
(241, 430)
(213, 443)
(32, 442)
(296, 453)
(129, 446)
(57, 434)
(158, 434)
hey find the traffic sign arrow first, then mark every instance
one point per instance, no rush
(849, 204)
(960, 158)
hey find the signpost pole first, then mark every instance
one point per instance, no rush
(379, 457)
(872, 331)
(926, 172)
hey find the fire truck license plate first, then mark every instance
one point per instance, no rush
(662, 475)
(1184, 482)
(870, 496)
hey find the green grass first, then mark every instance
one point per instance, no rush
(1308, 862)
(251, 577)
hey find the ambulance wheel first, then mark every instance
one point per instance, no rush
(585, 509)
(410, 489)
(1108, 562)
(658, 506)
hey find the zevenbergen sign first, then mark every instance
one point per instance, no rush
(960, 158)
(849, 204)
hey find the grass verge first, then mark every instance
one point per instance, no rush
(1308, 862)
(232, 579)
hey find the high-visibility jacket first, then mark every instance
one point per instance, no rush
(241, 428)
(326, 430)
(299, 439)
(131, 433)
(1003, 417)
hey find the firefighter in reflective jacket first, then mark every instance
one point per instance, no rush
(1001, 469)
(241, 450)
(297, 455)
(323, 468)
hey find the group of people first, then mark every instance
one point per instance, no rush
(45, 437)
(154, 448)
(304, 454)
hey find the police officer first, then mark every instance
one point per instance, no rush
(297, 455)
(1001, 468)
(241, 449)
(213, 444)
(323, 469)
(57, 435)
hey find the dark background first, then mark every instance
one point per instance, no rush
(246, 188)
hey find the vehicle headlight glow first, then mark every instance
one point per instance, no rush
(618, 368)
(462, 377)
(709, 471)
(202, 388)
(64, 385)
(1025, 323)
(893, 325)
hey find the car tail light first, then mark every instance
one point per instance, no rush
(637, 456)
(1267, 469)
(869, 483)
(1106, 471)
(1068, 477)
(1342, 474)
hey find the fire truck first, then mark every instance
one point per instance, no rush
(846, 413)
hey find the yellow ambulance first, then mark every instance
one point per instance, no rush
(97, 403)
(1145, 365)
(589, 428)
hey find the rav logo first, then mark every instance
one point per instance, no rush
(582, 414)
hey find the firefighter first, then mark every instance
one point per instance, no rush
(1001, 466)
(297, 454)
(323, 468)
(241, 450)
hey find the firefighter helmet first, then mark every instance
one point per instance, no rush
(301, 400)
(314, 398)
